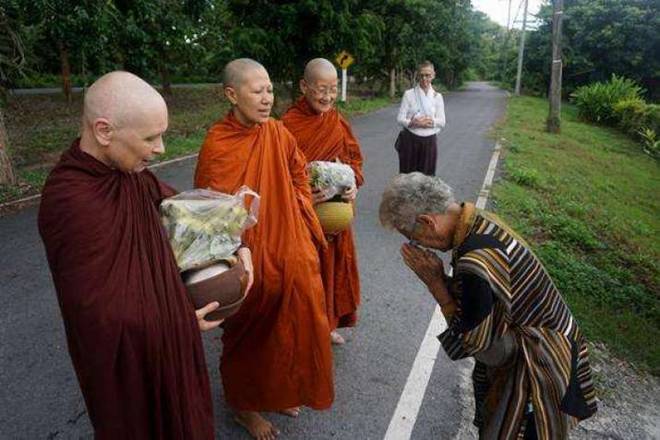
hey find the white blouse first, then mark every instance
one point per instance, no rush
(416, 102)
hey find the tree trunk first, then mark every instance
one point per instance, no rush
(7, 175)
(554, 114)
(66, 71)
(165, 81)
(392, 82)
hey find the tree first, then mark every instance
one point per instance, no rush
(600, 38)
(284, 36)
(404, 25)
(554, 114)
(74, 30)
(157, 35)
(486, 37)
(11, 61)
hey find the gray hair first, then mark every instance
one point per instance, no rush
(425, 63)
(409, 195)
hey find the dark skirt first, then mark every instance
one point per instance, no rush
(417, 153)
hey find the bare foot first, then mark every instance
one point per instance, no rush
(291, 412)
(336, 338)
(257, 426)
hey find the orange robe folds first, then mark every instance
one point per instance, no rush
(328, 136)
(276, 349)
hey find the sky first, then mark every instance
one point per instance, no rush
(497, 10)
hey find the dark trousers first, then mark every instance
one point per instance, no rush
(417, 153)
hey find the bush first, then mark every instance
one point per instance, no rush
(650, 142)
(632, 115)
(641, 121)
(653, 120)
(595, 102)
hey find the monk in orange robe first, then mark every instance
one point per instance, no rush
(323, 134)
(276, 351)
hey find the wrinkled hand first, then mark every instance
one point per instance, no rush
(245, 256)
(321, 195)
(205, 325)
(426, 265)
(350, 193)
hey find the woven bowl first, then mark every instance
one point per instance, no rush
(218, 282)
(334, 216)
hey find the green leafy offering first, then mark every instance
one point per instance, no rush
(205, 226)
(333, 176)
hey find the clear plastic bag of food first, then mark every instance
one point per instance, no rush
(205, 226)
(331, 177)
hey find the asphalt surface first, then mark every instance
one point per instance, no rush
(39, 394)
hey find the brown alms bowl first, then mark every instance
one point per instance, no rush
(218, 282)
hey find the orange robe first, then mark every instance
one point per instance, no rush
(328, 136)
(276, 349)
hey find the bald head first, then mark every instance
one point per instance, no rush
(319, 68)
(235, 71)
(123, 122)
(120, 97)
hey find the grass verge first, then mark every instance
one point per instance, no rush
(587, 201)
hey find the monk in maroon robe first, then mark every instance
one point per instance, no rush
(132, 333)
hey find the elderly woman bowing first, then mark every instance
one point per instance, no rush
(532, 378)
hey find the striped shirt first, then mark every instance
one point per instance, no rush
(532, 366)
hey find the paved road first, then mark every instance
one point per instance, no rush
(39, 396)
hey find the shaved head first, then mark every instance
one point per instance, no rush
(234, 72)
(319, 84)
(120, 97)
(319, 67)
(123, 122)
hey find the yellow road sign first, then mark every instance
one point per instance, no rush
(344, 59)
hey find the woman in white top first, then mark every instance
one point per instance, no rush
(422, 115)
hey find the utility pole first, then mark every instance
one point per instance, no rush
(508, 18)
(554, 115)
(521, 51)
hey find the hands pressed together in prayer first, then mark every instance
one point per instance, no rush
(421, 122)
(430, 269)
(245, 256)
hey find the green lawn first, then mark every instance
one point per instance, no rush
(41, 127)
(587, 200)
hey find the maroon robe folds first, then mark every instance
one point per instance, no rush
(132, 332)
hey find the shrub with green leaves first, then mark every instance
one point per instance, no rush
(595, 102)
(650, 142)
(632, 115)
